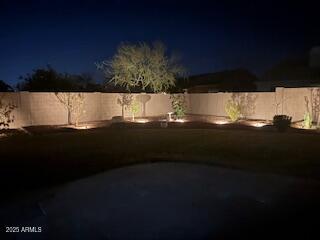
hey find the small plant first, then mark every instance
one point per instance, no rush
(307, 120)
(178, 104)
(233, 110)
(282, 122)
(134, 108)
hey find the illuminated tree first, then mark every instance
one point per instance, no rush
(6, 116)
(241, 105)
(233, 110)
(134, 108)
(178, 103)
(246, 102)
(74, 103)
(124, 101)
(142, 66)
(312, 103)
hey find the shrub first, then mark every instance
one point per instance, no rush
(178, 104)
(233, 110)
(134, 108)
(307, 120)
(282, 122)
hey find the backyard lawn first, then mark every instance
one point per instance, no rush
(40, 160)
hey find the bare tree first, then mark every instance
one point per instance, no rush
(246, 103)
(315, 104)
(278, 103)
(74, 102)
(125, 101)
(6, 116)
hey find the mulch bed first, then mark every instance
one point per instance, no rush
(51, 129)
(204, 125)
(48, 129)
(152, 123)
(10, 132)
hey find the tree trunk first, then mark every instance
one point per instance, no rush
(69, 117)
(69, 112)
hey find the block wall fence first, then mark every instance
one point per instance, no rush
(44, 108)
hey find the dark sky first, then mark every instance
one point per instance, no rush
(208, 35)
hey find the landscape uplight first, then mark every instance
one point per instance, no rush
(180, 120)
(83, 127)
(141, 120)
(221, 122)
(258, 124)
(2, 135)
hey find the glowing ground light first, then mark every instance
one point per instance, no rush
(221, 122)
(2, 135)
(83, 127)
(141, 120)
(258, 124)
(180, 120)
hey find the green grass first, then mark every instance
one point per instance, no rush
(41, 160)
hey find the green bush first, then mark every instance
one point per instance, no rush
(282, 122)
(307, 120)
(233, 110)
(134, 108)
(178, 104)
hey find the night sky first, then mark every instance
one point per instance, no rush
(209, 36)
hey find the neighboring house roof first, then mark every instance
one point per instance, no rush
(294, 69)
(230, 80)
(272, 85)
(293, 72)
(203, 88)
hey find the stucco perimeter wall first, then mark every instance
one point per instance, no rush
(214, 104)
(21, 116)
(294, 103)
(45, 108)
(159, 104)
(35, 108)
(149, 105)
(289, 101)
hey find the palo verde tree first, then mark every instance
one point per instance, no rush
(142, 66)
